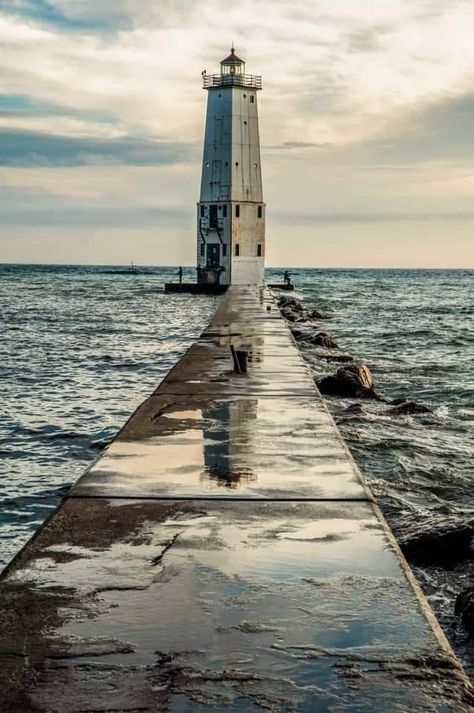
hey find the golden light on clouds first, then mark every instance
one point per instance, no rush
(366, 127)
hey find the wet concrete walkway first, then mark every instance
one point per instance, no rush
(224, 554)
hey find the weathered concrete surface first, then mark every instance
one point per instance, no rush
(251, 447)
(223, 555)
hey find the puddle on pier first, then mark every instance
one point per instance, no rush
(267, 604)
(250, 447)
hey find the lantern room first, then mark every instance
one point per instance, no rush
(232, 64)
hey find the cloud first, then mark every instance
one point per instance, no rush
(99, 16)
(364, 117)
(37, 208)
(339, 76)
(19, 106)
(367, 39)
(295, 218)
(440, 130)
(72, 15)
(288, 145)
(437, 131)
(22, 148)
(98, 216)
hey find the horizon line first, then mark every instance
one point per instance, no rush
(267, 267)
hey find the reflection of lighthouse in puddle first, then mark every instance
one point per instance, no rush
(229, 442)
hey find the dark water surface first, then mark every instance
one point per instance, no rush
(81, 347)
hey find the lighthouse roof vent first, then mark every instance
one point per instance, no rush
(232, 58)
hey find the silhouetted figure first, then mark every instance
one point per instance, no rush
(199, 273)
(286, 277)
(180, 274)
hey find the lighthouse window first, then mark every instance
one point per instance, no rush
(245, 123)
(259, 250)
(237, 250)
(252, 99)
(224, 211)
(224, 250)
(237, 211)
(245, 96)
(236, 163)
(207, 165)
(259, 211)
(202, 211)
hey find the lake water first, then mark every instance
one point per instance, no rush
(81, 347)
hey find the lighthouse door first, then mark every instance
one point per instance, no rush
(213, 255)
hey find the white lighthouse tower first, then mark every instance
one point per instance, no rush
(231, 211)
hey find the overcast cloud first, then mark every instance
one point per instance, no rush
(366, 127)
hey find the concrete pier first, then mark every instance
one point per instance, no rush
(224, 554)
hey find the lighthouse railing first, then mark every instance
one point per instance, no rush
(252, 81)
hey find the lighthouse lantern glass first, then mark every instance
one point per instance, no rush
(232, 67)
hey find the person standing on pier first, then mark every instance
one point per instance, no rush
(180, 274)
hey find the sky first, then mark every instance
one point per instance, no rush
(366, 127)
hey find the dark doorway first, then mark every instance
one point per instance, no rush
(213, 255)
(213, 216)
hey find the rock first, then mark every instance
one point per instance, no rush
(465, 607)
(355, 409)
(316, 314)
(437, 541)
(351, 381)
(300, 335)
(291, 303)
(336, 357)
(291, 309)
(322, 339)
(291, 315)
(408, 407)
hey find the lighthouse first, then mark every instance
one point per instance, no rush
(231, 211)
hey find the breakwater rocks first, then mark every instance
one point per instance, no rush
(293, 310)
(437, 541)
(351, 381)
(402, 407)
(320, 339)
(354, 379)
(439, 544)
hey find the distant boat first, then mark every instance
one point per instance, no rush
(132, 270)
